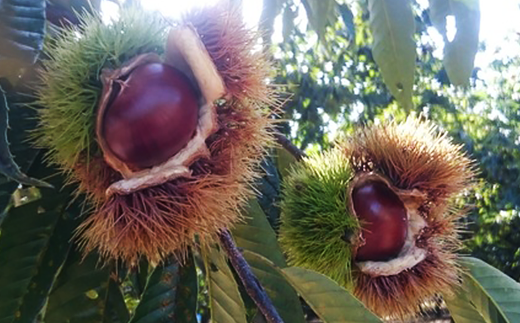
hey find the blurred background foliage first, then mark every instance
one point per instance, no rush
(333, 82)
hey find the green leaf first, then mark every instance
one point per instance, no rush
(330, 301)
(170, 294)
(271, 9)
(80, 293)
(348, 20)
(490, 293)
(27, 235)
(138, 276)
(393, 26)
(8, 167)
(187, 293)
(22, 27)
(226, 304)
(459, 54)
(282, 294)
(268, 187)
(33, 246)
(288, 23)
(158, 301)
(461, 309)
(284, 160)
(53, 259)
(320, 14)
(115, 309)
(257, 235)
(439, 10)
(24, 120)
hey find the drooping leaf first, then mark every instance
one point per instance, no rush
(439, 10)
(80, 293)
(288, 23)
(53, 259)
(22, 27)
(282, 294)
(225, 302)
(187, 293)
(138, 276)
(170, 294)
(35, 239)
(271, 9)
(268, 187)
(24, 154)
(8, 166)
(284, 160)
(348, 20)
(158, 301)
(393, 26)
(115, 309)
(328, 300)
(459, 54)
(461, 309)
(255, 234)
(489, 292)
(320, 14)
(33, 245)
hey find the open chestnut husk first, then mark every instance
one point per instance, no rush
(161, 125)
(377, 214)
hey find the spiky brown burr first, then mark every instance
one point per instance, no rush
(394, 244)
(154, 206)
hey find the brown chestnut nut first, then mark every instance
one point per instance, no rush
(383, 220)
(153, 116)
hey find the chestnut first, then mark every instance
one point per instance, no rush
(152, 117)
(383, 219)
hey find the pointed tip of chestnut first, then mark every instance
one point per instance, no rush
(152, 117)
(383, 219)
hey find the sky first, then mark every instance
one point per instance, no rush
(499, 20)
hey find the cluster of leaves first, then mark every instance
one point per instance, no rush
(44, 278)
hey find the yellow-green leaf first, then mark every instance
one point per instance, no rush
(284, 160)
(256, 234)
(226, 303)
(488, 292)
(320, 14)
(330, 301)
(459, 54)
(80, 291)
(282, 294)
(394, 50)
(159, 296)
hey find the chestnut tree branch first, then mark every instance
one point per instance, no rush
(250, 282)
(289, 146)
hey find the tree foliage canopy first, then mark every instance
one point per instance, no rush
(340, 64)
